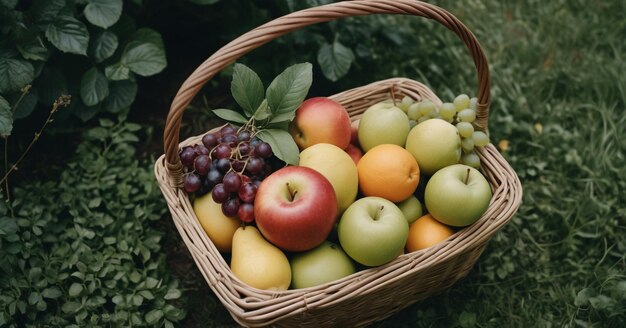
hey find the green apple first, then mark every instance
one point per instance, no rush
(457, 195)
(435, 144)
(336, 166)
(325, 263)
(373, 231)
(411, 208)
(383, 123)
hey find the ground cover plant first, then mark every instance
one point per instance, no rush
(84, 249)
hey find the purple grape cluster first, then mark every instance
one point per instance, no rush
(230, 163)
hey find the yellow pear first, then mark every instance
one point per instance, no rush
(257, 262)
(336, 166)
(219, 227)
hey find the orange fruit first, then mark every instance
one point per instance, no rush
(388, 171)
(426, 232)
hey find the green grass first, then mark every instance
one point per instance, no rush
(559, 98)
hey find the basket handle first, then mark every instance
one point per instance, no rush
(296, 20)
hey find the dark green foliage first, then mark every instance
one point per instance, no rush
(83, 249)
(82, 48)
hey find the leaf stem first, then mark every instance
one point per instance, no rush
(63, 100)
(25, 90)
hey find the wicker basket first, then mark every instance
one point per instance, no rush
(375, 293)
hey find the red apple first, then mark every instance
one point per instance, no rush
(321, 120)
(355, 153)
(295, 208)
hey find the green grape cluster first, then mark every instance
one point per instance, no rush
(461, 112)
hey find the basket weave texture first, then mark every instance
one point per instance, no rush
(368, 295)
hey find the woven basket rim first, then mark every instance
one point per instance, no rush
(251, 306)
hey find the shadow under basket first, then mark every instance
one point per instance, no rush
(374, 293)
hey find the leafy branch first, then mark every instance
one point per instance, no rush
(63, 100)
(268, 112)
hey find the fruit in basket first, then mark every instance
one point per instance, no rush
(354, 132)
(219, 227)
(320, 120)
(336, 166)
(354, 152)
(295, 208)
(257, 262)
(383, 123)
(388, 171)
(435, 144)
(411, 208)
(325, 263)
(426, 231)
(373, 231)
(457, 195)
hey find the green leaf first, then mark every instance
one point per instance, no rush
(230, 115)
(84, 112)
(289, 88)
(144, 59)
(601, 302)
(148, 35)
(70, 307)
(262, 112)
(335, 60)
(146, 294)
(121, 95)
(7, 225)
(44, 11)
(154, 316)
(283, 145)
(75, 289)
(52, 292)
(283, 117)
(69, 35)
(94, 87)
(30, 44)
(583, 296)
(33, 298)
(103, 46)
(117, 72)
(137, 300)
(103, 13)
(467, 319)
(15, 74)
(151, 282)
(172, 294)
(247, 89)
(6, 118)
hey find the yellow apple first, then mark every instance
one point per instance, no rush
(337, 166)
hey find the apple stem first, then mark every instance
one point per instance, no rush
(382, 207)
(467, 176)
(292, 194)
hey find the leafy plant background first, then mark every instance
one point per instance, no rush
(90, 49)
(557, 115)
